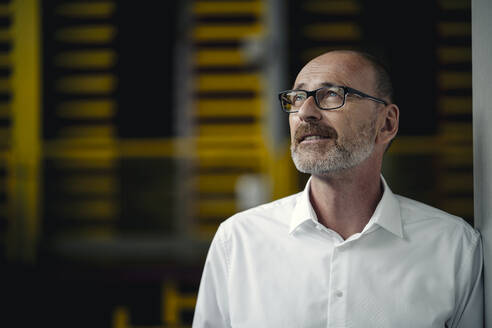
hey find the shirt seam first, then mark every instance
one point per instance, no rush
(469, 254)
(470, 251)
(226, 254)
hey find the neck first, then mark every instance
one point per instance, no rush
(345, 202)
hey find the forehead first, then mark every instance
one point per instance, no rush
(340, 69)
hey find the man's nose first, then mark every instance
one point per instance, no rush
(309, 111)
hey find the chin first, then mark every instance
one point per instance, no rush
(329, 162)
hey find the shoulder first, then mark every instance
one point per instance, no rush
(274, 215)
(417, 216)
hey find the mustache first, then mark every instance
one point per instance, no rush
(308, 129)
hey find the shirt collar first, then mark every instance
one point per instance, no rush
(387, 213)
(303, 210)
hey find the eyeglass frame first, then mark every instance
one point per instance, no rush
(346, 90)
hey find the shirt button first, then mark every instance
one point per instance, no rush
(339, 293)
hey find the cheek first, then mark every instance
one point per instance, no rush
(353, 124)
(344, 126)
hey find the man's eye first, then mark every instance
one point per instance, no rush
(331, 94)
(298, 98)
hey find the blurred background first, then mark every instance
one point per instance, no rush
(131, 129)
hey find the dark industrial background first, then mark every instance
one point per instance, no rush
(130, 129)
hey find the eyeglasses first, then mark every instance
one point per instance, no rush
(326, 98)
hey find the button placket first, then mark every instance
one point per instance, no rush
(337, 300)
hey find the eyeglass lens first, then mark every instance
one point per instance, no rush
(327, 98)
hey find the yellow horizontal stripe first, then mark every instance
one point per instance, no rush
(449, 55)
(89, 59)
(414, 145)
(232, 141)
(457, 151)
(228, 107)
(216, 208)
(225, 32)
(5, 85)
(215, 183)
(88, 209)
(455, 132)
(454, 80)
(61, 143)
(96, 152)
(5, 60)
(332, 7)
(455, 105)
(458, 157)
(85, 160)
(228, 130)
(456, 182)
(187, 302)
(98, 34)
(101, 151)
(104, 108)
(225, 161)
(222, 57)
(5, 111)
(227, 7)
(455, 127)
(454, 4)
(228, 82)
(5, 35)
(101, 231)
(88, 184)
(147, 148)
(5, 10)
(454, 29)
(332, 31)
(206, 231)
(237, 159)
(5, 137)
(253, 153)
(88, 131)
(5, 155)
(87, 84)
(87, 10)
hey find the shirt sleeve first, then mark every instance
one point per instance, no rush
(469, 311)
(212, 308)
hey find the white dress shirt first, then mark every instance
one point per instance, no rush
(276, 266)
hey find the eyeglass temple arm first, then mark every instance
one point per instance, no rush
(362, 94)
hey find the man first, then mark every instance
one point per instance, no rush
(345, 252)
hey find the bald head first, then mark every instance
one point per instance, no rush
(356, 62)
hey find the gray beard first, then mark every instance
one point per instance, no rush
(339, 156)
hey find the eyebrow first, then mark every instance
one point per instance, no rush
(323, 84)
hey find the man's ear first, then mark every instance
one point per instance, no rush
(389, 126)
